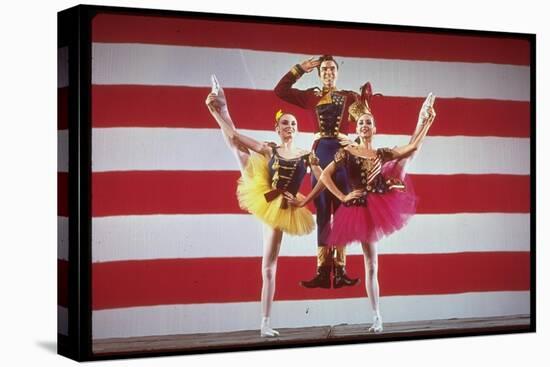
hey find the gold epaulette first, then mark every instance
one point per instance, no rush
(313, 159)
(340, 155)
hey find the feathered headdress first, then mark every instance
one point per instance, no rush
(362, 106)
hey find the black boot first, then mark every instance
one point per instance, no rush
(321, 280)
(341, 279)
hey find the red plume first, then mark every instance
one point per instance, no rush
(366, 93)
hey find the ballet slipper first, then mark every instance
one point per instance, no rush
(265, 329)
(267, 332)
(376, 325)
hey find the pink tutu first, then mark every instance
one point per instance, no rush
(384, 213)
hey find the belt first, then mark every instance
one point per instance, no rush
(273, 194)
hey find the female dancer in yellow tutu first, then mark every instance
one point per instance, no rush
(268, 188)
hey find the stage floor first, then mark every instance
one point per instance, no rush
(344, 333)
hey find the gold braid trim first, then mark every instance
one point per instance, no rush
(313, 159)
(340, 155)
(297, 71)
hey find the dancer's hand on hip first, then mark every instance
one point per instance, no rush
(355, 194)
(296, 201)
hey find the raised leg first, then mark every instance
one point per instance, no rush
(422, 116)
(217, 105)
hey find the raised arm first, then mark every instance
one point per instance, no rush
(217, 106)
(284, 89)
(417, 138)
(252, 144)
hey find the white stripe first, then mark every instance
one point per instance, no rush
(372, 174)
(62, 67)
(62, 238)
(144, 237)
(122, 149)
(63, 150)
(147, 64)
(209, 318)
(62, 320)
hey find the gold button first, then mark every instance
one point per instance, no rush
(369, 187)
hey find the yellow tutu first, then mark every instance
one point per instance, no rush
(251, 188)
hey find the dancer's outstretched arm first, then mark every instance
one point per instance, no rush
(218, 108)
(220, 105)
(417, 138)
(423, 115)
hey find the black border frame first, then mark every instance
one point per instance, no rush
(74, 31)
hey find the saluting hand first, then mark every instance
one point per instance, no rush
(310, 64)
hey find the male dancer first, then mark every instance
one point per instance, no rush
(330, 107)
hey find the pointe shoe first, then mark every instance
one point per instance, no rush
(267, 332)
(428, 103)
(220, 96)
(376, 325)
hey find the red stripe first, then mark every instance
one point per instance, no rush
(209, 192)
(62, 108)
(218, 280)
(165, 106)
(63, 194)
(62, 283)
(306, 39)
(472, 193)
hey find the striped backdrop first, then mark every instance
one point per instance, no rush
(173, 253)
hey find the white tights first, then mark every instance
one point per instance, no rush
(371, 283)
(272, 245)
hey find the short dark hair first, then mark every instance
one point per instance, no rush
(325, 58)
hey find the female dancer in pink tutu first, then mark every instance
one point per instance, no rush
(268, 188)
(381, 198)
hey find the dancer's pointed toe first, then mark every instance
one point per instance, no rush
(376, 326)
